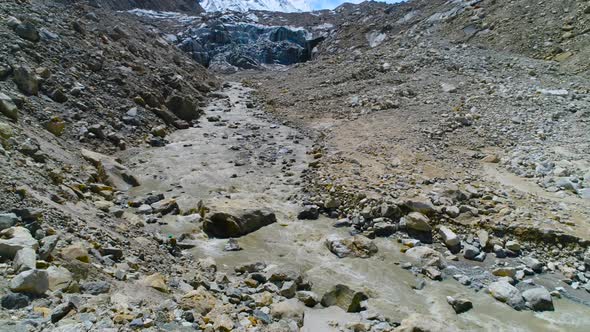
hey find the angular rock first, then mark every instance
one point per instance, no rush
(470, 252)
(384, 229)
(460, 305)
(76, 251)
(59, 278)
(538, 299)
(95, 287)
(533, 263)
(450, 239)
(483, 238)
(157, 282)
(184, 108)
(505, 292)
(310, 299)
(166, 206)
(26, 80)
(309, 212)
(288, 289)
(27, 31)
(31, 281)
(512, 246)
(223, 323)
(423, 206)
(225, 225)
(427, 256)
(345, 298)
(417, 221)
(432, 272)
(48, 244)
(356, 246)
(61, 311)
(504, 272)
(14, 239)
(7, 107)
(15, 301)
(288, 309)
(199, 300)
(110, 171)
(8, 220)
(25, 259)
(232, 245)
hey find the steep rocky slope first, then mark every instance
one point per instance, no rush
(186, 6)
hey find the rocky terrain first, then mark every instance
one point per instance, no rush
(413, 167)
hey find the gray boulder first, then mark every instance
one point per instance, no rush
(355, 246)
(26, 80)
(345, 298)
(450, 239)
(309, 212)
(505, 292)
(426, 256)
(538, 299)
(48, 244)
(184, 108)
(417, 221)
(27, 31)
(96, 287)
(25, 259)
(31, 281)
(15, 301)
(14, 239)
(310, 299)
(225, 225)
(7, 220)
(470, 252)
(460, 305)
(7, 107)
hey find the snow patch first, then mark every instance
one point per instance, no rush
(287, 6)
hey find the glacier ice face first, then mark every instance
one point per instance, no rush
(246, 5)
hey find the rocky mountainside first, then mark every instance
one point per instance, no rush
(185, 6)
(419, 166)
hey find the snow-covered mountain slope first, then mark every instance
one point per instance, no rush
(245, 5)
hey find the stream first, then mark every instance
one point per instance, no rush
(239, 157)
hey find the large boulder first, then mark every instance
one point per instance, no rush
(225, 225)
(110, 171)
(538, 299)
(25, 259)
(200, 300)
(450, 239)
(59, 278)
(426, 256)
(418, 222)
(31, 281)
(183, 107)
(288, 309)
(345, 298)
(8, 220)
(7, 107)
(26, 79)
(355, 246)
(27, 31)
(505, 292)
(14, 239)
(76, 251)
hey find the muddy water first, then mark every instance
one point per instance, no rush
(200, 163)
